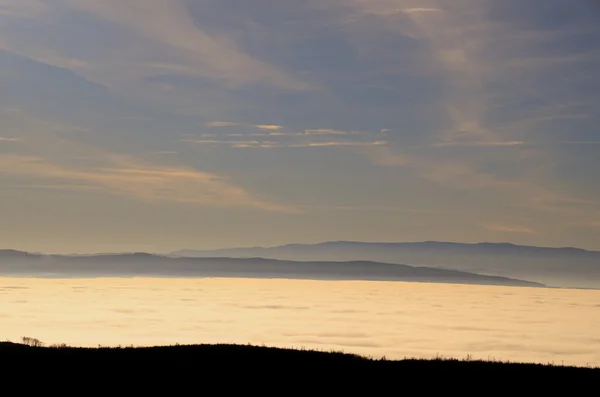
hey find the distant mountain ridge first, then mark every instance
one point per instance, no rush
(458, 246)
(16, 263)
(563, 266)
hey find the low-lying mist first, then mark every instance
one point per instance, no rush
(394, 319)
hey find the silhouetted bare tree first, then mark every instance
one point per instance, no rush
(33, 342)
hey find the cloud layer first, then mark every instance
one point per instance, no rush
(393, 319)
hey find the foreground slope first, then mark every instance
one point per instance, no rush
(218, 369)
(140, 264)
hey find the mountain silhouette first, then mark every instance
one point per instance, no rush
(560, 267)
(15, 263)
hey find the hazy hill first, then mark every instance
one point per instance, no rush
(24, 264)
(565, 267)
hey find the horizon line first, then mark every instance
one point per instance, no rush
(163, 253)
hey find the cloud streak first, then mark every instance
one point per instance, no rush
(581, 142)
(129, 177)
(274, 144)
(481, 143)
(496, 227)
(327, 131)
(269, 127)
(221, 124)
(489, 67)
(338, 144)
(170, 25)
(420, 10)
(266, 127)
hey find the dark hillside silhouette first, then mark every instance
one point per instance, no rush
(219, 369)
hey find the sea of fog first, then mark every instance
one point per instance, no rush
(394, 319)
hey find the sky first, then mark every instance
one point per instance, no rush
(151, 125)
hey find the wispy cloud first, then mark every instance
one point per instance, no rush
(266, 127)
(493, 96)
(269, 127)
(496, 227)
(220, 142)
(561, 202)
(369, 209)
(521, 194)
(338, 143)
(282, 138)
(282, 133)
(581, 142)
(9, 139)
(273, 144)
(164, 152)
(173, 52)
(263, 144)
(420, 9)
(220, 124)
(386, 156)
(132, 178)
(327, 131)
(23, 8)
(480, 143)
(170, 24)
(589, 224)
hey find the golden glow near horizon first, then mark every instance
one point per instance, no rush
(394, 319)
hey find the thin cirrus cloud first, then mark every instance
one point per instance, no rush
(496, 227)
(460, 47)
(171, 50)
(481, 143)
(131, 178)
(338, 144)
(219, 142)
(273, 144)
(520, 194)
(327, 131)
(279, 131)
(23, 8)
(220, 124)
(284, 139)
(594, 224)
(267, 127)
(488, 65)
(420, 9)
(170, 25)
(284, 133)
(581, 142)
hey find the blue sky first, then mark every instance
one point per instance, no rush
(157, 125)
